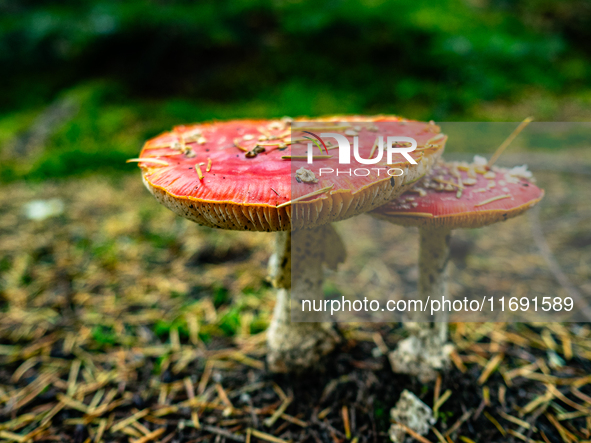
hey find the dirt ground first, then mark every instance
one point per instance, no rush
(121, 322)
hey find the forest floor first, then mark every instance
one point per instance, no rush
(119, 321)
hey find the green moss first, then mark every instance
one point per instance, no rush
(230, 322)
(104, 336)
(221, 295)
(163, 327)
(259, 324)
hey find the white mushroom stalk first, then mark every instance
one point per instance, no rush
(295, 346)
(425, 351)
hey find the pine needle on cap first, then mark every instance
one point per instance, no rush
(303, 197)
(508, 141)
(492, 199)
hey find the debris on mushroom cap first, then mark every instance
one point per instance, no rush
(306, 176)
(464, 195)
(253, 185)
(410, 413)
(521, 172)
(479, 160)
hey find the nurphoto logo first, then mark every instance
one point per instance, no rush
(394, 145)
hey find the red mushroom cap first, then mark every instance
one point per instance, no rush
(215, 175)
(462, 195)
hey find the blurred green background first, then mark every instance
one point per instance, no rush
(85, 82)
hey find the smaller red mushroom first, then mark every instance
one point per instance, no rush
(453, 195)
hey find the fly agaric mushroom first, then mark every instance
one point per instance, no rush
(240, 175)
(452, 196)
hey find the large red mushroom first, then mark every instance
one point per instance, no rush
(253, 175)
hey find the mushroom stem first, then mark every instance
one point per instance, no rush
(425, 351)
(433, 258)
(295, 346)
